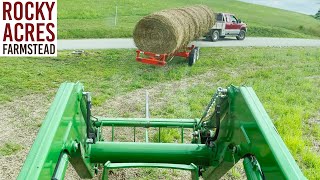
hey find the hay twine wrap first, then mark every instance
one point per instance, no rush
(172, 30)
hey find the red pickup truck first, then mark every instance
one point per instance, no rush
(227, 25)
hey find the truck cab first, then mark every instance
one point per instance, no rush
(227, 25)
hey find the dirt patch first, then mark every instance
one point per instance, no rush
(20, 121)
(313, 77)
(313, 122)
(159, 96)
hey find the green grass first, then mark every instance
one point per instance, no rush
(9, 149)
(167, 135)
(285, 79)
(95, 18)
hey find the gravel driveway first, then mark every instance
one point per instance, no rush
(125, 43)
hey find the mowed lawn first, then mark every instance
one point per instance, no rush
(96, 18)
(286, 80)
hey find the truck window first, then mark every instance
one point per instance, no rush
(234, 19)
(219, 17)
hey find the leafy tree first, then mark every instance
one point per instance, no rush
(317, 16)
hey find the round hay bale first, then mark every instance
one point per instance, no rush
(210, 17)
(188, 28)
(194, 24)
(171, 30)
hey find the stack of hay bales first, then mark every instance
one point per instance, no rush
(172, 30)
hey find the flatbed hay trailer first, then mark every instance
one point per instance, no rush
(191, 54)
(234, 126)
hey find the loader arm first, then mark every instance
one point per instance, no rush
(246, 131)
(61, 139)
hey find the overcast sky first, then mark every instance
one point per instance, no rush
(302, 6)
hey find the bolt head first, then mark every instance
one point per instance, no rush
(75, 146)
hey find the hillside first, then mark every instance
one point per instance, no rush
(96, 18)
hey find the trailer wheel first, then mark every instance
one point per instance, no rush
(242, 35)
(192, 57)
(215, 36)
(198, 53)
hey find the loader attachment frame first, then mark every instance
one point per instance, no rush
(238, 128)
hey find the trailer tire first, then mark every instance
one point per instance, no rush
(215, 36)
(198, 53)
(242, 35)
(192, 57)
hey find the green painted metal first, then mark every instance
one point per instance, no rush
(144, 122)
(247, 129)
(159, 135)
(123, 152)
(193, 168)
(112, 133)
(63, 125)
(146, 135)
(182, 135)
(134, 134)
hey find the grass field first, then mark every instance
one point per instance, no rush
(95, 18)
(285, 79)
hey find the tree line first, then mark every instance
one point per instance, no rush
(317, 16)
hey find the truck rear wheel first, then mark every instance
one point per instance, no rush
(215, 36)
(242, 35)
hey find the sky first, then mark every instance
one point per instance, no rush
(309, 7)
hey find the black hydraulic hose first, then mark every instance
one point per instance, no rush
(62, 163)
(218, 117)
